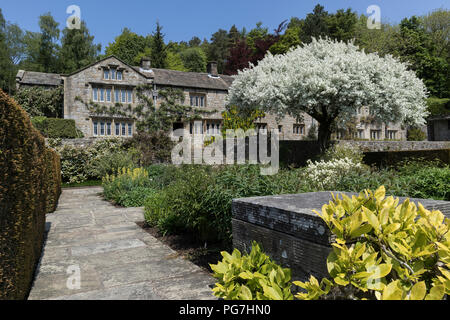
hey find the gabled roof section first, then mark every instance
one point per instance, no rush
(146, 75)
(38, 78)
(191, 79)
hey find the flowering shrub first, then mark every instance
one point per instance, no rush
(327, 174)
(128, 187)
(79, 164)
(342, 151)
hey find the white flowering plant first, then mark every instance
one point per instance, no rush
(325, 175)
(328, 80)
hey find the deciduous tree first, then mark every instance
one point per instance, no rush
(127, 46)
(328, 79)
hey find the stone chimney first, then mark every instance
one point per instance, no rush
(145, 63)
(212, 69)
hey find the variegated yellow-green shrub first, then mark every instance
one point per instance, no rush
(383, 250)
(252, 276)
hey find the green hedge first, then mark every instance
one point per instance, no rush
(30, 185)
(57, 128)
(391, 158)
(438, 106)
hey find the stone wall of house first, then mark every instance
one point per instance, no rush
(81, 85)
(290, 233)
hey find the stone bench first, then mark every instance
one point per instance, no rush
(290, 232)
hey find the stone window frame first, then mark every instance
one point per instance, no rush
(102, 128)
(114, 76)
(392, 134)
(197, 95)
(262, 128)
(111, 126)
(130, 129)
(116, 129)
(212, 127)
(298, 129)
(95, 94)
(199, 129)
(95, 128)
(361, 134)
(108, 94)
(378, 135)
(123, 94)
(98, 89)
(115, 91)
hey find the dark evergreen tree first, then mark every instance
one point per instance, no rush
(218, 49)
(158, 52)
(195, 42)
(78, 49)
(342, 25)
(315, 25)
(233, 35)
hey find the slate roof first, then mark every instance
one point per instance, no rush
(160, 77)
(38, 78)
(190, 79)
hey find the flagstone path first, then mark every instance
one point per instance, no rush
(116, 259)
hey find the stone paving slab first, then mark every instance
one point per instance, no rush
(117, 260)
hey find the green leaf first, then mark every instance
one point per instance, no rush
(380, 271)
(372, 219)
(392, 291)
(391, 228)
(272, 294)
(364, 229)
(436, 293)
(341, 281)
(418, 291)
(246, 275)
(380, 193)
(220, 267)
(245, 293)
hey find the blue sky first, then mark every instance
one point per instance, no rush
(181, 20)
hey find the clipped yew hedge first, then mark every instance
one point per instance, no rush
(30, 185)
(57, 128)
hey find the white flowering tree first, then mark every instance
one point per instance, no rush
(330, 80)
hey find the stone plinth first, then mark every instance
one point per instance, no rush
(290, 232)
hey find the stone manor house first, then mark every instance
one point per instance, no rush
(111, 80)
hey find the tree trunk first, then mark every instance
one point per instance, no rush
(324, 136)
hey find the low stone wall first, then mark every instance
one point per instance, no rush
(377, 146)
(290, 232)
(81, 142)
